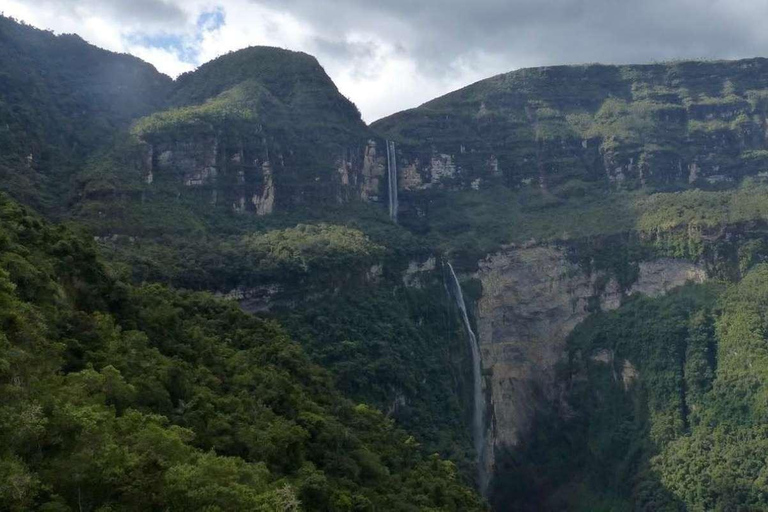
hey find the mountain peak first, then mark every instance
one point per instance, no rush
(295, 78)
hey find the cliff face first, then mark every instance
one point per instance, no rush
(257, 131)
(535, 154)
(558, 133)
(259, 173)
(532, 298)
(626, 126)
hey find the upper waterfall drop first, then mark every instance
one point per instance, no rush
(478, 416)
(392, 179)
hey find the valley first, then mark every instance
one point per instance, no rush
(544, 291)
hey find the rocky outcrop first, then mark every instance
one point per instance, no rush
(532, 299)
(629, 373)
(264, 203)
(659, 276)
(372, 172)
(424, 173)
(414, 275)
(256, 299)
(254, 175)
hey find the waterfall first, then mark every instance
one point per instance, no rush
(392, 175)
(478, 416)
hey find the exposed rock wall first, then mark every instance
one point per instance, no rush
(256, 175)
(659, 276)
(532, 299)
(414, 273)
(253, 300)
(627, 126)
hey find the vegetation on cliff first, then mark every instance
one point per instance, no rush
(61, 99)
(635, 126)
(126, 397)
(121, 392)
(668, 408)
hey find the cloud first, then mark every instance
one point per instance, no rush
(387, 56)
(146, 12)
(166, 60)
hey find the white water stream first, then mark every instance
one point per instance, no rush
(478, 417)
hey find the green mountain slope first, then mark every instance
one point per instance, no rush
(293, 78)
(668, 409)
(60, 100)
(254, 132)
(572, 200)
(653, 125)
(536, 139)
(130, 398)
(196, 194)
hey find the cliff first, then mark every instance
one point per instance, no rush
(257, 131)
(532, 298)
(659, 125)
(575, 203)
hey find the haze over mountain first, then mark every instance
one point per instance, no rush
(546, 290)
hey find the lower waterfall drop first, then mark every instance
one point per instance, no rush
(478, 416)
(392, 180)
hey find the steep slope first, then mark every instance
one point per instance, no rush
(126, 398)
(666, 409)
(565, 192)
(561, 195)
(563, 127)
(205, 194)
(187, 184)
(293, 78)
(253, 132)
(61, 99)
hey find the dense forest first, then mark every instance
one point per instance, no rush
(204, 304)
(118, 397)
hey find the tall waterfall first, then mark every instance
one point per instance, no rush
(392, 175)
(478, 417)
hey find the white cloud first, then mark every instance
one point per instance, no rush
(249, 24)
(385, 79)
(165, 61)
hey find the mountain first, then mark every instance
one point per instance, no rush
(654, 125)
(252, 132)
(568, 194)
(554, 133)
(399, 352)
(62, 99)
(580, 248)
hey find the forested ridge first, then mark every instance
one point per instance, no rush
(205, 306)
(119, 397)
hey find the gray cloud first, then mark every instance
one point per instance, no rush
(540, 32)
(455, 42)
(155, 13)
(395, 54)
(363, 55)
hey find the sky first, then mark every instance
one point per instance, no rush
(388, 56)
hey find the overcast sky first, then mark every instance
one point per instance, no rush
(391, 55)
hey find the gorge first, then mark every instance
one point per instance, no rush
(543, 291)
